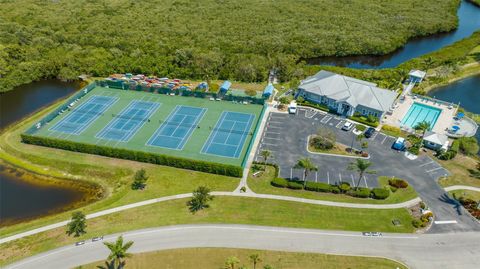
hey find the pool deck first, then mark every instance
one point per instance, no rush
(444, 121)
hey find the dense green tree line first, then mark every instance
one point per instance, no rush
(216, 39)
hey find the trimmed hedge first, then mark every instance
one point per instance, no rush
(360, 192)
(380, 193)
(295, 185)
(317, 106)
(364, 120)
(279, 182)
(318, 186)
(140, 156)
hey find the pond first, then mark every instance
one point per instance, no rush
(469, 22)
(465, 91)
(20, 198)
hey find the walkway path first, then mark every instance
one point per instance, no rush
(416, 251)
(187, 195)
(461, 187)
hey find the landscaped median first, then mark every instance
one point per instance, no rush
(262, 183)
(223, 209)
(195, 258)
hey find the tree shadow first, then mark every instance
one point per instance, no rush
(454, 203)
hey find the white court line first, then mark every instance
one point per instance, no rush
(434, 169)
(445, 222)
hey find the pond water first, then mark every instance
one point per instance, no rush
(469, 22)
(465, 91)
(20, 199)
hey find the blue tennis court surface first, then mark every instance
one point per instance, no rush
(229, 134)
(128, 121)
(81, 117)
(177, 128)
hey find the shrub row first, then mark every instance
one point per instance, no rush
(376, 193)
(364, 120)
(140, 156)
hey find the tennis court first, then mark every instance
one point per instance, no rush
(128, 121)
(229, 134)
(80, 118)
(177, 128)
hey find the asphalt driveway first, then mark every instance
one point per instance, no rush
(286, 136)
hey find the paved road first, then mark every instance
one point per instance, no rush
(416, 251)
(286, 136)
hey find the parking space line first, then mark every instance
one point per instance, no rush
(426, 163)
(353, 183)
(316, 176)
(364, 179)
(268, 132)
(384, 140)
(340, 175)
(328, 177)
(273, 127)
(268, 144)
(272, 121)
(339, 124)
(326, 119)
(445, 222)
(434, 169)
(266, 137)
(291, 172)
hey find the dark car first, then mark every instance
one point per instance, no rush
(369, 132)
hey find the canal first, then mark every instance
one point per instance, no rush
(469, 22)
(24, 196)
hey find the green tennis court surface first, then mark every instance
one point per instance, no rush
(188, 127)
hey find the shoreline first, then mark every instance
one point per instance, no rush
(474, 72)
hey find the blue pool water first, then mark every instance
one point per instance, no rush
(420, 112)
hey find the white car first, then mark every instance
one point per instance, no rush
(347, 126)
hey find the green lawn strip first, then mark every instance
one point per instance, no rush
(112, 174)
(195, 258)
(261, 184)
(467, 194)
(223, 210)
(459, 171)
(338, 149)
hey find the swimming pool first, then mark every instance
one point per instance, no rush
(420, 112)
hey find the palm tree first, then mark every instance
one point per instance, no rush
(265, 155)
(111, 265)
(361, 167)
(255, 258)
(118, 251)
(423, 126)
(231, 262)
(307, 165)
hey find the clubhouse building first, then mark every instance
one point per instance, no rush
(346, 95)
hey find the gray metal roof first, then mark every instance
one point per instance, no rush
(433, 137)
(353, 91)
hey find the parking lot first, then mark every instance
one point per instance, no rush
(286, 136)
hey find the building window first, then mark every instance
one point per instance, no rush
(364, 112)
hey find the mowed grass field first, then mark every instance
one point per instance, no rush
(215, 258)
(194, 143)
(223, 209)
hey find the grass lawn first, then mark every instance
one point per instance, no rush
(223, 210)
(113, 175)
(261, 184)
(196, 258)
(468, 194)
(458, 168)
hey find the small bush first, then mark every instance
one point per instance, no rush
(318, 187)
(447, 155)
(391, 130)
(295, 185)
(344, 187)
(360, 127)
(360, 192)
(380, 193)
(279, 182)
(321, 143)
(398, 183)
(335, 189)
(422, 205)
(393, 189)
(417, 223)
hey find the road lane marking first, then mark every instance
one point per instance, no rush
(445, 222)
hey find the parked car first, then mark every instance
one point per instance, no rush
(399, 144)
(79, 243)
(98, 238)
(347, 126)
(369, 132)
